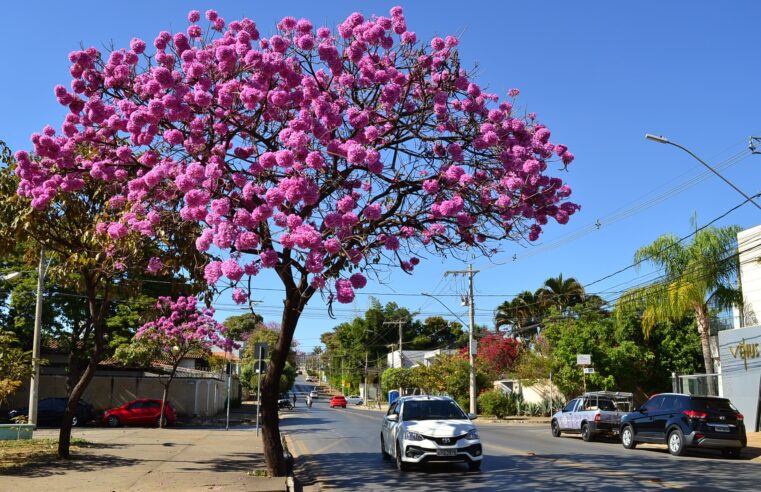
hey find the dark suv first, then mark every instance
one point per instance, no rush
(50, 412)
(684, 421)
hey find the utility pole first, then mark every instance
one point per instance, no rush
(471, 341)
(342, 375)
(365, 390)
(400, 323)
(34, 387)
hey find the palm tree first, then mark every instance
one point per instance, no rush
(563, 293)
(695, 275)
(522, 313)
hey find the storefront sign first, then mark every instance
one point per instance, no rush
(745, 351)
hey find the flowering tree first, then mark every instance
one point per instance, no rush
(322, 155)
(497, 353)
(180, 329)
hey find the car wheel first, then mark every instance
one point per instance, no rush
(384, 454)
(627, 437)
(586, 433)
(474, 466)
(676, 442)
(731, 452)
(555, 429)
(400, 465)
(113, 421)
(74, 421)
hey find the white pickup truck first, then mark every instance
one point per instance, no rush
(594, 413)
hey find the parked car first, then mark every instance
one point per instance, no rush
(685, 421)
(592, 414)
(311, 379)
(139, 412)
(338, 401)
(314, 394)
(422, 429)
(50, 412)
(354, 400)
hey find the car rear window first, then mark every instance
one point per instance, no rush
(712, 404)
(432, 410)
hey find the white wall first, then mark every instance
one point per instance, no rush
(749, 246)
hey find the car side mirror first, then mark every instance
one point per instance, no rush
(393, 417)
(472, 416)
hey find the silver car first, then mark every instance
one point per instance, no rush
(424, 429)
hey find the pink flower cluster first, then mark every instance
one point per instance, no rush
(184, 326)
(311, 147)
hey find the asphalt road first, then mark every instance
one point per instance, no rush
(340, 449)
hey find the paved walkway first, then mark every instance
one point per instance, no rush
(151, 459)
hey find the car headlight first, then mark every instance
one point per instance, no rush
(472, 435)
(413, 436)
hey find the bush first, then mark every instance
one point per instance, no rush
(494, 402)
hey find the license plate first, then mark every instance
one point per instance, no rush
(721, 428)
(446, 452)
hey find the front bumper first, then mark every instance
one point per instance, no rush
(427, 451)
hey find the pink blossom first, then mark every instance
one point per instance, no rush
(213, 271)
(358, 281)
(154, 266)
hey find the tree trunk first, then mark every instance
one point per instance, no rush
(166, 393)
(273, 447)
(97, 316)
(701, 317)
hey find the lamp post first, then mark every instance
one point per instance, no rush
(34, 383)
(664, 140)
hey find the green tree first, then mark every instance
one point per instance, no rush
(15, 365)
(562, 293)
(696, 275)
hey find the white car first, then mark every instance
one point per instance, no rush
(354, 400)
(423, 429)
(311, 379)
(314, 394)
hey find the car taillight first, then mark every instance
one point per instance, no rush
(694, 414)
(598, 417)
(740, 416)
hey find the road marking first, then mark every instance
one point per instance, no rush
(602, 470)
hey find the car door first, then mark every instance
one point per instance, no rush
(564, 420)
(389, 428)
(47, 411)
(644, 424)
(661, 416)
(133, 412)
(150, 413)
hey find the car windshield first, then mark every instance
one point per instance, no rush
(432, 410)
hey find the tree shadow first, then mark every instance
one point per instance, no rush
(367, 471)
(231, 462)
(44, 466)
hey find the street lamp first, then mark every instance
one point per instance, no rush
(664, 140)
(34, 383)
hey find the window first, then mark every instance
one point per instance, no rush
(152, 404)
(136, 406)
(569, 406)
(392, 410)
(712, 404)
(653, 403)
(432, 410)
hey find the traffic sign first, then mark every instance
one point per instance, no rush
(583, 359)
(261, 350)
(260, 366)
(589, 370)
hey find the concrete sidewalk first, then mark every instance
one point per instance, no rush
(150, 459)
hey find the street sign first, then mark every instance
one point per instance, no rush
(583, 359)
(260, 366)
(261, 350)
(589, 370)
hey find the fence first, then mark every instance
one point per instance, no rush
(696, 384)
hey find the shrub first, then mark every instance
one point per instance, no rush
(494, 402)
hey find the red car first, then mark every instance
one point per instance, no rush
(139, 412)
(338, 401)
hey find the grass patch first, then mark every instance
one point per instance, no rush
(27, 451)
(259, 473)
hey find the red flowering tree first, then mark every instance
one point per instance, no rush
(323, 155)
(181, 328)
(497, 354)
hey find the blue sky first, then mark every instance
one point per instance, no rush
(599, 74)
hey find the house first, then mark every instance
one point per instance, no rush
(414, 358)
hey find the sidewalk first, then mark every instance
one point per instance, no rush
(150, 459)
